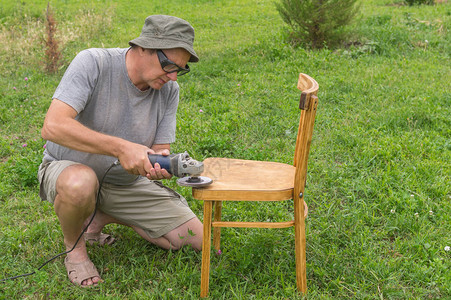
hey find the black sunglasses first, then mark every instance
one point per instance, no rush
(169, 66)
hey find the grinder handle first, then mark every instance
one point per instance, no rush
(164, 161)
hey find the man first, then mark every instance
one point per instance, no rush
(112, 108)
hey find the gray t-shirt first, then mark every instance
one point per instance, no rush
(97, 86)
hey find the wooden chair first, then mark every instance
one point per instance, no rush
(247, 180)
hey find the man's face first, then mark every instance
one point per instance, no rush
(151, 72)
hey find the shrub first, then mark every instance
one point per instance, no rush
(52, 53)
(318, 23)
(419, 2)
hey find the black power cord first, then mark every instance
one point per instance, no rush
(83, 231)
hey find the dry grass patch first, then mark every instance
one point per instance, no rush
(24, 43)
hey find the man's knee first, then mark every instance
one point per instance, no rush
(189, 233)
(77, 184)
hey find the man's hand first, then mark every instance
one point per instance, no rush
(157, 172)
(134, 159)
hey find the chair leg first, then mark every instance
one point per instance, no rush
(206, 246)
(300, 246)
(217, 230)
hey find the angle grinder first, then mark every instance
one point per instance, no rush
(183, 166)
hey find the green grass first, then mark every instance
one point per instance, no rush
(379, 168)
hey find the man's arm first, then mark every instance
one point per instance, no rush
(61, 127)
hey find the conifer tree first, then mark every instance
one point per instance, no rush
(317, 23)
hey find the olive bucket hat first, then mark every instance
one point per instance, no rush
(166, 32)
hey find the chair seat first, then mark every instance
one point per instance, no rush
(246, 180)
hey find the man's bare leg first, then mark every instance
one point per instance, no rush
(76, 189)
(189, 233)
(100, 220)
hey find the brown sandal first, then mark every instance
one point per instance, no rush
(78, 272)
(99, 238)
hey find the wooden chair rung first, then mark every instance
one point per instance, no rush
(253, 224)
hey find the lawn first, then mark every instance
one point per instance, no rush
(378, 184)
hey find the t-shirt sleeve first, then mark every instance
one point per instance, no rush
(78, 82)
(166, 128)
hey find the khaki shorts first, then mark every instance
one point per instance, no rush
(147, 204)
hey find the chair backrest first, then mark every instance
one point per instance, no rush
(308, 104)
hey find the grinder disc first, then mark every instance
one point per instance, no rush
(194, 181)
